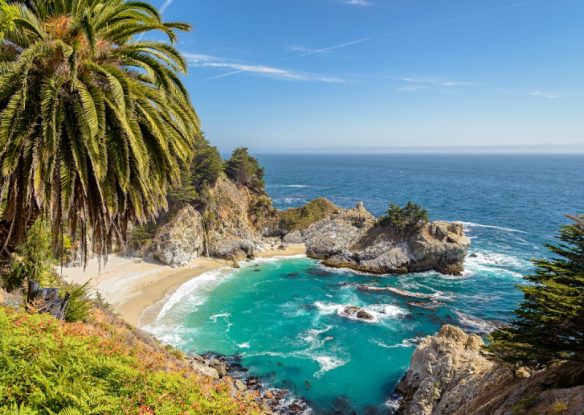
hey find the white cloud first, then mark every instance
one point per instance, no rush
(545, 94)
(358, 2)
(207, 61)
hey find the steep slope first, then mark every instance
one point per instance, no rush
(102, 367)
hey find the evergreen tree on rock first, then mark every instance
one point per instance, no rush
(550, 320)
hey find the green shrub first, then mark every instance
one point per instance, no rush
(79, 305)
(33, 259)
(141, 235)
(301, 218)
(51, 367)
(412, 217)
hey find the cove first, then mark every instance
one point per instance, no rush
(284, 317)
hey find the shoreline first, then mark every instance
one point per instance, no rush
(137, 287)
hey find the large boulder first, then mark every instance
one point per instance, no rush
(238, 220)
(449, 374)
(447, 365)
(181, 239)
(354, 239)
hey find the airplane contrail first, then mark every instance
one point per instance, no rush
(411, 29)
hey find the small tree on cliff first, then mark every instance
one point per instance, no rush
(410, 218)
(245, 169)
(207, 165)
(205, 169)
(550, 320)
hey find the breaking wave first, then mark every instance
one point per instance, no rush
(475, 324)
(377, 311)
(499, 228)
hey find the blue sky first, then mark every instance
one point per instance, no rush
(306, 74)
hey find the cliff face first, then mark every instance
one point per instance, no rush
(354, 239)
(181, 239)
(237, 219)
(449, 375)
(232, 224)
(235, 222)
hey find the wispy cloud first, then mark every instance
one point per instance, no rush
(414, 84)
(435, 81)
(165, 6)
(411, 88)
(408, 30)
(300, 49)
(207, 61)
(545, 94)
(358, 2)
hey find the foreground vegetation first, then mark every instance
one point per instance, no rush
(102, 367)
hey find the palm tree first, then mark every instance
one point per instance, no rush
(95, 123)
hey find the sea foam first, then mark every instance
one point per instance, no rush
(378, 311)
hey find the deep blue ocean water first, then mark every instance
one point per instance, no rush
(283, 316)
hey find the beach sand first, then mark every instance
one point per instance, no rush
(132, 285)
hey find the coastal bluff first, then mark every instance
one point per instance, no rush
(355, 239)
(450, 374)
(236, 223)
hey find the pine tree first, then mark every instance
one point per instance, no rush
(550, 320)
(245, 170)
(203, 172)
(410, 218)
(207, 165)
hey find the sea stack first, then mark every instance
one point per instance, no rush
(355, 239)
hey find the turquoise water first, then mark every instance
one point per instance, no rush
(284, 316)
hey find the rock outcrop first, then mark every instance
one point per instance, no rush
(355, 239)
(450, 375)
(359, 313)
(237, 219)
(181, 239)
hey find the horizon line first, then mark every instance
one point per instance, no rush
(541, 149)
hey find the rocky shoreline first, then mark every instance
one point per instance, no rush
(216, 366)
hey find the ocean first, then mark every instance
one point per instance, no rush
(283, 316)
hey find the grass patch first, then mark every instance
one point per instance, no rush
(296, 219)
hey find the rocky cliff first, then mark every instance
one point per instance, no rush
(450, 375)
(355, 239)
(235, 222)
(181, 239)
(232, 223)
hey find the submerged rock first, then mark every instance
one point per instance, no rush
(358, 312)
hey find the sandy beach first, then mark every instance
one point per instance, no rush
(133, 285)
